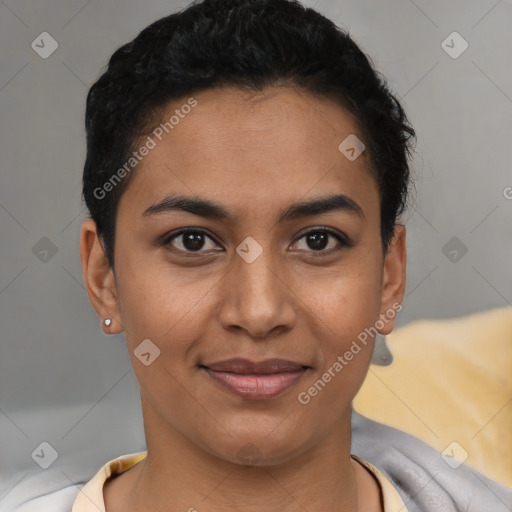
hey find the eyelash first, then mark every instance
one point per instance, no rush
(343, 240)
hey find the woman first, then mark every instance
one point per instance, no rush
(246, 169)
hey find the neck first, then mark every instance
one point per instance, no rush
(178, 472)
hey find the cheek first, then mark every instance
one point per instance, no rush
(170, 308)
(154, 297)
(344, 314)
(348, 299)
(343, 310)
(157, 306)
(162, 303)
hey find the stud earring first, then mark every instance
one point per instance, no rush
(107, 321)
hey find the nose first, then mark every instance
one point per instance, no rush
(257, 297)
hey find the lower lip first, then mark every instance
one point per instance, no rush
(256, 387)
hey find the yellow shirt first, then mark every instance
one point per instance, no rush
(90, 497)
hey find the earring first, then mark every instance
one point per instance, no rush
(107, 321)
(381, 356)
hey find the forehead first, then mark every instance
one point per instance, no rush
(241, 119)
(278, 145)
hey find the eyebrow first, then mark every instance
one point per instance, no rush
(209, 209)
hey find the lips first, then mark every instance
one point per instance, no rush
(246, 367)
(256, 380)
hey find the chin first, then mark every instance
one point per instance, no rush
(259, 449)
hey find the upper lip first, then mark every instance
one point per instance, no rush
(244, 366)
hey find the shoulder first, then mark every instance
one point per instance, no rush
(420, 474)
(90, 497)
(391, 500)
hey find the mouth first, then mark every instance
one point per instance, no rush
(256, 380)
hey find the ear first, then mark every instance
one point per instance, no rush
(393, 280)
(99, 278)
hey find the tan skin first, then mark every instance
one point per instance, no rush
(254, 154)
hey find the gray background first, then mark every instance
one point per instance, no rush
(61, 380)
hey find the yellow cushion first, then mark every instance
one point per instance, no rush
(450, 384)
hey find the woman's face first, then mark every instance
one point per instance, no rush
(250, 285)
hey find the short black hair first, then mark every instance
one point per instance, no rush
(251, 45)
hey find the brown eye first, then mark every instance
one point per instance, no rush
(190, 241)
(318, 240)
